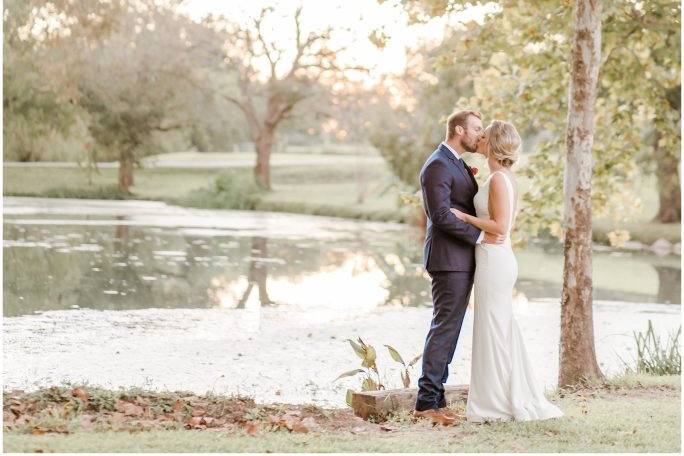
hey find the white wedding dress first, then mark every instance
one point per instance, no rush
(503, 386)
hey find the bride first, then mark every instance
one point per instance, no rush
(502, 383)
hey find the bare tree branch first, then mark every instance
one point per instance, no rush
(266, 103)
(260, 36)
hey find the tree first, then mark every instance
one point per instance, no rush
(33, 104)
(519, 70)
(267, 100)
(577, 352)
(120, 66)
(406, 130)
(132, 83)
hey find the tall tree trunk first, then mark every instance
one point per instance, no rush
(577, 350)
(668, 183)
(125, 171)
(262, 170)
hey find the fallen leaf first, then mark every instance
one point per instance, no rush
(128, 409)
(252, 427)
(310, 422)
(274, 422)
(40, 430)
(132, 409)
(18, 408)
(119, 405)
(219, 423)
(177, 406)
(196, 422)
(387, 428)
(87, 422)
(299, 427)
(210, 421)
(81, 394)
(288, 421)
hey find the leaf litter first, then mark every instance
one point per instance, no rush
(66, 409)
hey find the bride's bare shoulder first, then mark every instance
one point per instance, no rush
(497, 182)
(501, 176)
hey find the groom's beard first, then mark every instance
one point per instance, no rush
(472, 148)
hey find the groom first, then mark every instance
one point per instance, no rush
(449, 254)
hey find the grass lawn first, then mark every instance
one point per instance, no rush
(630, 413)
(341, 189)
(332, 185)
(151, 183)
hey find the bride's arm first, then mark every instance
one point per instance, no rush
(498, 210)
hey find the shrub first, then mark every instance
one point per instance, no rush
(229, 191)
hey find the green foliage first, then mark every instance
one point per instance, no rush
(654, 357)
(368, 357)
(626, 108)
(108, 192)
(518, 66)
(130, 82)
(34, 107)
(121, 69)
(405, 377)
(335, 210)
(405, 134)
(229, 191)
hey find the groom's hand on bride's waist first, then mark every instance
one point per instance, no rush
(490, 238)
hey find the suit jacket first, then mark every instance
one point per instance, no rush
(447, 182)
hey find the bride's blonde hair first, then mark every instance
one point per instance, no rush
(503, 142)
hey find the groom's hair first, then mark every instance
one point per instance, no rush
(459, 117)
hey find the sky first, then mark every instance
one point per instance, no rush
(353, 21)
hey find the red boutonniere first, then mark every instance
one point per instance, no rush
(474, 170)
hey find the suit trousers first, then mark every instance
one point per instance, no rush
(450, 295)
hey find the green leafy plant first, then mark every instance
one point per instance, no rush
(371, 381)
(405, 378)
(654, 357)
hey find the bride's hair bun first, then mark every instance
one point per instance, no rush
(504, 142)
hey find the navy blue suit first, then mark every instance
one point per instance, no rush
(449, 257)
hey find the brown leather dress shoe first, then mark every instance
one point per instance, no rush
(436, 416)
(451, 414)
(448, 412)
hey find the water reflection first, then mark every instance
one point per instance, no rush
(221, 290)
(669, 284)
(124, 266)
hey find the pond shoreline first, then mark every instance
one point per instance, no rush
(660, 247)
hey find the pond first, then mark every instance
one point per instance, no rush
(137, 293)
